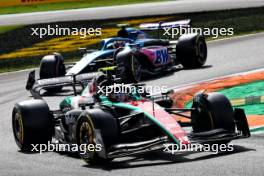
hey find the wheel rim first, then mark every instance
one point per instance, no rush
(18, 128)
(86, 138)
(136, 68)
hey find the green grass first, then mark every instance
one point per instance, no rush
(68, 5)
(244, 21)
(4, 29)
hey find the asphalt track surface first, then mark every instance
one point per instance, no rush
(157, 8)
(225, 57)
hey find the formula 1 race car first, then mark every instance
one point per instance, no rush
(123, 123)
(134, 53)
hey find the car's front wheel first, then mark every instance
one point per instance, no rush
(90, 146)
(52, 66)
(212, 111)
(32, 124)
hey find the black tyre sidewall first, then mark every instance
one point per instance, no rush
(52, 66)
(126, 68)
(106, 123)
(187, 50)
(82, 119)
(37, 123)
(216, 110)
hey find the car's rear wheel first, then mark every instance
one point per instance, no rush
(129, 68)
(32, 124)
(213, 111)
(191, 51)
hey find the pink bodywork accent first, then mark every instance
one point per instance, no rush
(165, 119)
(150, 52)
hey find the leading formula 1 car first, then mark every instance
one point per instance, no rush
(134, 53)
(123, 123)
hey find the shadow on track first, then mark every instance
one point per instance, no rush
(162, 158)
(151, 77)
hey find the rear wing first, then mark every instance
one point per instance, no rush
(161, 25)
(35, 86)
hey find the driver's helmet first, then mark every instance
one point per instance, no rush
(123, 32)
(116, 93)
(116, 45)
(118, 97)
(141, 36)
(98, 81)
(119, 44)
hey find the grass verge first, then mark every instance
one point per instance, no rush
(4, 29)
(16, 42)
(67, 5)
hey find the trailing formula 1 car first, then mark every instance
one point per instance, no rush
(154, 56)
(123, 123)
(134, 53)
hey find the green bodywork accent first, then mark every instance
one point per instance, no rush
(105, 101)
(66, 102)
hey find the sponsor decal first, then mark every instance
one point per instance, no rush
(162, 57)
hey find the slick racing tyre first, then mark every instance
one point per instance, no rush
(212, 111)
(32, 124)
(87, 124)
(191, 51)
(52, 66)
(129, 69)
